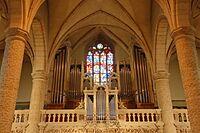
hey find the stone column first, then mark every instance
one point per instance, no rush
(37, 100)
(10, 75)
(164, 101)
(188, 62)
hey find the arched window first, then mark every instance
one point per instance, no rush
(100, 63)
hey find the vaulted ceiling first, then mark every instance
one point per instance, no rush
(80, 21)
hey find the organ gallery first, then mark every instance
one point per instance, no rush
(95, 66)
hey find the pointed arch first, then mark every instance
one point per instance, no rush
(39, 45)
(160, 46)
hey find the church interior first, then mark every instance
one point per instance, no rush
(94, 66)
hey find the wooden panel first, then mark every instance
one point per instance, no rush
(54, 106)
(145, 106)
(72, 104)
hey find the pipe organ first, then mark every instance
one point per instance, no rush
(126, 87)
(142, 77)
(126, 91)
(73, 92)
(58, 81)
(101, 103)
(74, 89)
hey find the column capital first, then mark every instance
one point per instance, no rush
(161, 75)
(17, 33)
(39, 74)
(183, 31)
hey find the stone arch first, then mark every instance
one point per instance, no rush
(21, 14)
(160, 44)
(39, 62)
(178, 13)
(181, 12)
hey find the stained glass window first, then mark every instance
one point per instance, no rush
(100, 63)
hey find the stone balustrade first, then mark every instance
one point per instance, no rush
(20, 121)
(181, 121)
(140, 115)
(21, 116)
(128, 119)
(60, 116)
(181, 116)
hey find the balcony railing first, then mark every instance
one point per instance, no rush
(181, 120)
(62, 116)
(146, 120)
(20, 121)
(21, 116)
(140, 115)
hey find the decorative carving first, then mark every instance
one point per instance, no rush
(108, 130)
(121, 105)
(81, 105)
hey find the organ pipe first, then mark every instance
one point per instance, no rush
(59, 76)
(53, 83)
(74, 91)
(125, 82)
(142, 78)
(138, 76)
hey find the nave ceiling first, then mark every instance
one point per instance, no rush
(80, 21)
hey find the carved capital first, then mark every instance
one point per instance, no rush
(16, 33)
(39, 74)
(161, 75)
(185, 31)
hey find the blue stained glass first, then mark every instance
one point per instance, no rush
(110, 58)
(103, 68)
(96, 59)
(89, 59)
(89, 64)
(103, 60)
(96, 69)
(103, 78)
(100, 63)
(108, 75)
